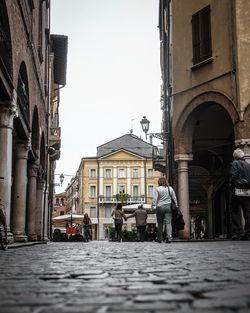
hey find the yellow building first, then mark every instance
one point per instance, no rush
(117, 169)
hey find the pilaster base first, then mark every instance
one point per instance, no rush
(40, 238)
(32, 237)
(20, 237)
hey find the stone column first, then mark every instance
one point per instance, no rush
(39, 209)
(47, 221)
(7, 114)
(32, 201)
(183, 191)
(18, 214)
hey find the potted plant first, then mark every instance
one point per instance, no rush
(122, 197)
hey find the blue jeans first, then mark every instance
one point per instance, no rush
(164, 220)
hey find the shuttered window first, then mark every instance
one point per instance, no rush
(201, 26)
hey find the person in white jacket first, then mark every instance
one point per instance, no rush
(163, 196)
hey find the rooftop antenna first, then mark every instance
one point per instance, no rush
(131, 130)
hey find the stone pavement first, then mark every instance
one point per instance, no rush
(126, 277)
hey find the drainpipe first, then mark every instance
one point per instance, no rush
(98, 206)
(47, 119)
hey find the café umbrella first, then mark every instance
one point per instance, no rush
(72, 218)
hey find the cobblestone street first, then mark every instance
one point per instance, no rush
(126, 277)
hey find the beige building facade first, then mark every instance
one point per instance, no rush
(205, 51)
(120, 175)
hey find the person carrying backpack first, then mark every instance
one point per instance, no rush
(240, 184)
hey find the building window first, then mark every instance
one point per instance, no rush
(201, 27)
(121, 172)
(108, 212)
(150, 173)
(92, 191)
(92, 211)
(61, 212)
(108, 173)
(150, 191)
(121, 188)
(40, 33)
(108, 191)
(135, 173)
(135, 191)
(92, 173)
(57, 201)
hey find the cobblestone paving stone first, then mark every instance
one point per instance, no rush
(103, 277)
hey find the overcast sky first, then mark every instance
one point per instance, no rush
(113, 74)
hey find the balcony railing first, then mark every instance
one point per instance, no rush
(114, 200)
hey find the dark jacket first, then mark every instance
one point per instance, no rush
(119, 214)
(140, 217)
(240, 169)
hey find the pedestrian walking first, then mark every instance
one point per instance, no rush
(141, 216)
(2, 217)
(118, 216)
(87, 226)
(163, 196)
(240, 196)
(3, 227)
(197, 224)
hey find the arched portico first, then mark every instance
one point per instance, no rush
(204, 141)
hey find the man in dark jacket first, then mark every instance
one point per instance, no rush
(239, 178)
(140, 215)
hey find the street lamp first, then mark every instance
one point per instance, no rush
(163, 137)
(61, 178)
(145, 127)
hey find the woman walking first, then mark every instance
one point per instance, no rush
(118, 216)
(87, 227)
(163, 196)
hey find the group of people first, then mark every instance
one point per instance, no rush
(140, 215)
(163, 197)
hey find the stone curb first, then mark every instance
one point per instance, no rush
(33, 243)
(25, 244)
